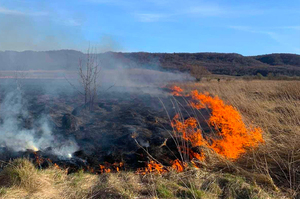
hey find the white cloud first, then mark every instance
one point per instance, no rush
(17, 12)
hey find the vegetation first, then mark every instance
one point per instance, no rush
(270, 171)
(272, 105)
(279, 59)
(20, 179)
(89, 73)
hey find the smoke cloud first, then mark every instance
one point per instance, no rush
(18, 132)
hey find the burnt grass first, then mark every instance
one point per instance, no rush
(106, 134)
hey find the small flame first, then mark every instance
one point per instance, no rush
(152, 167)
(38, 159)
(176, 91)
(108, 167)
(56, 166)
(178, 165)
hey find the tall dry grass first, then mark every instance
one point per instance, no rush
(23, 180)
(275, 107)
(272, 105)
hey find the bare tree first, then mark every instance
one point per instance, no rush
(89, 72)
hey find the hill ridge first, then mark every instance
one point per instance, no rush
(217, 63)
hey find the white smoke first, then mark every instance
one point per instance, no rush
(39, 136)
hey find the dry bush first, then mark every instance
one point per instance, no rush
(89, 74)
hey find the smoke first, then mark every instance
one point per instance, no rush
(48, 29)
(18, 131)
(26, 30)
(141, 79)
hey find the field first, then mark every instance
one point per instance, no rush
(272, 170)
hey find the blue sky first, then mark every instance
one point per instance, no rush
(246, 27)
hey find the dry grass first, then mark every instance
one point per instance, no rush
(23, 180)
(272, 105)
(20, 179)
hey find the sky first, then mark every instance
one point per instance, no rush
(249, 27)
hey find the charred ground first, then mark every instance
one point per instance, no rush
(123, 126)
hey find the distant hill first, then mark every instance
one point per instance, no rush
(277, 59)
(217, 63)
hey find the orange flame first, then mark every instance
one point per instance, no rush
(189, 130)
(103, 169)
(152, 167)
(38, 159)
(108, 168)
(176, 90)
(227, 122)
(178, 165)
(56, 166)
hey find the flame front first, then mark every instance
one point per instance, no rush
(233, 135)
(228, 124)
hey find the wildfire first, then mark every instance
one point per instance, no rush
(229, 137)
(234, 136)
(227, 123)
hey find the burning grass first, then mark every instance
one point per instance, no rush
(229, 137)
(274, 106)
(234, 160)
